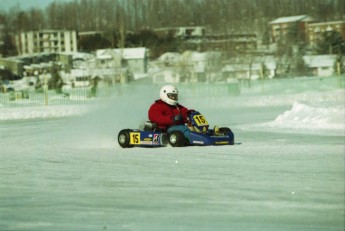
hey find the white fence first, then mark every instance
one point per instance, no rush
(87, 94)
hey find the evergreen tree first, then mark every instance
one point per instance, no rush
(8, 48)
(93, 42)
(331, 43)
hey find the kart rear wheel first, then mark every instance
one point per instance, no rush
(123, 138)
(177, 139)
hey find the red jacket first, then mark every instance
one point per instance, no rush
(163, 114)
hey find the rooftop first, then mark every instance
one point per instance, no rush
(291, 19)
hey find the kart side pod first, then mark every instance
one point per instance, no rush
(207, 139)
(129, 138)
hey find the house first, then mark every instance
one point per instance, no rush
(241, 71)
(315, 30)
(282, 27)
(13, 64)
(321, 65)
(192, 66)
(108, 58)
(34, 64)
(169, 59)
(259, 67)
(105, 65)
(136, 59)
(133, 59)
(166, 76)
(199, 66)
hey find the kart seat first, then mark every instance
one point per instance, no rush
(150, 127)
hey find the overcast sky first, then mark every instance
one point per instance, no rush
(5, 5)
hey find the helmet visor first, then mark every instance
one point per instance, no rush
(173, 96)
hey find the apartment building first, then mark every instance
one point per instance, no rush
(187, 32)
(315, 30)
(46, 41)
(282, 27)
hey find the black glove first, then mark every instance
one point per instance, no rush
(190, 111)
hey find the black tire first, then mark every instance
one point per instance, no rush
(224, 130)
(123, 138)
(177, 139)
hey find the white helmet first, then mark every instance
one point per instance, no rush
(169, 94)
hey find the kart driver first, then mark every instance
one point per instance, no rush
(167, 113)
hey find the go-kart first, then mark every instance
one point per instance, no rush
(200, 134)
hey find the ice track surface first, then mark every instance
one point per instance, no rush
(69, 173)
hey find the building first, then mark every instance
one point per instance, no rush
(196, 38)
(321, 65)
(315, 30)
(35, 64)
(108, 58)
(281, 28)
(232, 41)
(46, 41)
(166, 76)
(250, 68)
(184, 32)
(134, 60)
(189, 66)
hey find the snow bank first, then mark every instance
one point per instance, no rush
(311, 117)
(41, 112)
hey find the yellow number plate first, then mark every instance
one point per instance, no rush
(134, 138)
(200, 120)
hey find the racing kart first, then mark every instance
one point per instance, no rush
(200, 134)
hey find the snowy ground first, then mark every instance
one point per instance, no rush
(62, 169)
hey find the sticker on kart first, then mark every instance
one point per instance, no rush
(200, 120)
(134, 138)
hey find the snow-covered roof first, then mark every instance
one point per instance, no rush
(126, 53)
(106, 53)
(170, 56)
(133, 53)
(327, 23)
(290, 19)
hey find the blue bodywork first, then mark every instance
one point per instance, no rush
(160, 139)
(147, 138)
(208, 139)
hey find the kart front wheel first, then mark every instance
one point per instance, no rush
(228, 132)
(224, 130)
(123, 138)
(177, 139)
